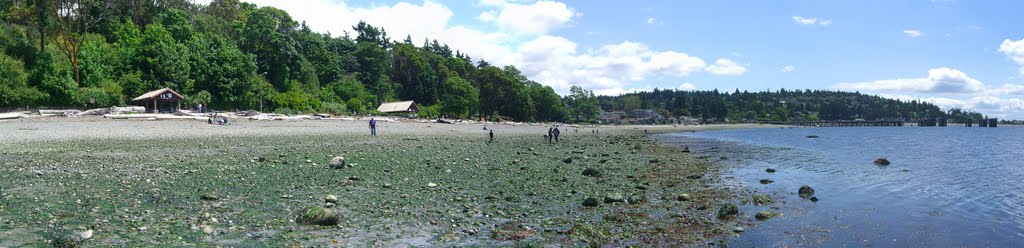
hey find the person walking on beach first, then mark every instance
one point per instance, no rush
(373, 127)
(550, 135)
(556, 135)
(491, 133)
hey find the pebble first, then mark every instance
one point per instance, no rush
(738, 229)
(331, 199)
(432, 185)
(86, 234)
(207, 230)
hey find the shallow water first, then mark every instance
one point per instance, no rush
(946, 186)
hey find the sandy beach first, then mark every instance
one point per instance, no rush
(184, 182)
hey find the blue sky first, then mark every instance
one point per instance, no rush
(954, 53)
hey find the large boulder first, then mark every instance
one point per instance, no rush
(318, 216)
(805, 191)
(338, 162)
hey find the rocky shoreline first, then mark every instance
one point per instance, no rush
(141, 183)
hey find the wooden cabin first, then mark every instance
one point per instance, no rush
(163, 100)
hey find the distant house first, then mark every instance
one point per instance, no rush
(166, 100)
(406, 107)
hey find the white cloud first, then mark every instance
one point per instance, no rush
(726, 67)
(989, 105)
(653, 21)
(488, 16)
(811, 21)
(535, 19)
(514, 33)
(1014, 50)
(788, 69)
(950, 88)
(939, 80)
(687, 86)
(913, 33)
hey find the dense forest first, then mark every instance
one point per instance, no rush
(232, 55)
(781, 105)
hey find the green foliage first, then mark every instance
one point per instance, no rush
(462, 99)
(296, 99)
(237, 55)
(202, 97)
(432, 111)
(285, 111)
(334, 108)
(582, 104)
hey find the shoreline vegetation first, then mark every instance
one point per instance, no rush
(94, 181)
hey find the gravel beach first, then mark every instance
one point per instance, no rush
(276, 183)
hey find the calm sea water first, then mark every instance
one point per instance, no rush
(946, 186)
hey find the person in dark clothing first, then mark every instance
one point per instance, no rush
(551, 134)
(491, 133)
(373, 127)
(556, 135)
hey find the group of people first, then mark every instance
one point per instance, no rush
(553, 134)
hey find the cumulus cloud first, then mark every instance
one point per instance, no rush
(515, 33)
(939, 80)
(788, 69)
(726, 67)
(687, 86)
(1014, 50)
(811, 21)
(950, 88)
(913, 33)
(538, 18)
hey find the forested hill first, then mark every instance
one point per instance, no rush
(782, 105)
(231, 55)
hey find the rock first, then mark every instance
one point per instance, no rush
(613, 198)
(567, 160)
(142, 229)
(683, 197)
(309, 161)
(591, 172)
(591, 202)
(738, 229)
(636, 199)
(769, 170)
(209, 197)
(337, 162)
(882, 161)
(328, 205)
(354, 178)
(387, 185)
(207, 230)
(318, 216)
(766, 181)
(85, 235)
(814, 199)
(765, 215)
(728, 210)
(805, 191)
(330, 199)
(694, 177)
(812, 136)
(431, 185)
(761, 199)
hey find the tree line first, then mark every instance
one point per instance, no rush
(233, 55)
(781, 105)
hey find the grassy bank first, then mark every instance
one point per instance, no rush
(429, 189)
